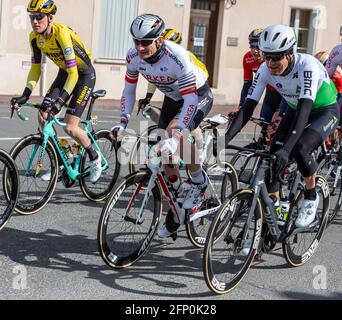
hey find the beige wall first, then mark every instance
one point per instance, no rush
(85, 16)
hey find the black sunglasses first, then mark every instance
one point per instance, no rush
(144, 42)
(274, 57)
(37, 16)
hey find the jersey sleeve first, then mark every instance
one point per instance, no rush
(335, 59)
(259, 84)
(66, 45)
(131, 80)
(36, 58)
(309, 75)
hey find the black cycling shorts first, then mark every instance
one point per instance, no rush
(81, 94)
(171, 109)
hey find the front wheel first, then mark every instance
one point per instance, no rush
(10, 183)
(300, 246)
(35, 190)
(102, 188)
(124, 236)
(232, 242)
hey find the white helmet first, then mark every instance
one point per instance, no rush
(277, 39)
(147, 26)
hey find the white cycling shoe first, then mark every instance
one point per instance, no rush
(307, 213)
(95, 169)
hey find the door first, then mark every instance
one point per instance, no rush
(203, 31)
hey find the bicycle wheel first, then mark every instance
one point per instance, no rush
(102, 188)
(299, 247)
(330, 170)
(224, 182)
(11, 184)
(122, 240)
(137, 152)
(35, 192)
(231, 243)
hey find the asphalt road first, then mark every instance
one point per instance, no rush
(53, 254)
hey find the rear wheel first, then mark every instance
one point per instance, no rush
(224, 182)
(100, 190)
(300, 246)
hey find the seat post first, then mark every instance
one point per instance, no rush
(90, 110)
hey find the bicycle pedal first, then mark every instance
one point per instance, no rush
(174, 236)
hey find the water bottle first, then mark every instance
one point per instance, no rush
(75, 149)
(282, 212)
(65, 145)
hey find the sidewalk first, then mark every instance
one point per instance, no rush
(110, 105)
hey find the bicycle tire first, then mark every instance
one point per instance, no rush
(221, 237)
(31, 202)
(326, 169)
(101, 190)
(293, 258)
(10, 181)
(197, 230)
(112, 244)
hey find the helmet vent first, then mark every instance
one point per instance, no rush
(276, 36)
(141, 23)
(283, 43)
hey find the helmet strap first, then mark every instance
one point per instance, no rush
(290, 59)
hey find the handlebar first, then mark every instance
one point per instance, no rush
(257, 153)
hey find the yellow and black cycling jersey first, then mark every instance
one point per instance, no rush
(65, 48)
(199, 63)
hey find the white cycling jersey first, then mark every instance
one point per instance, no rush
(307, 80)
(176, 74)
(335, 60)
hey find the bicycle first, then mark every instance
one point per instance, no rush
(131, 215)
(330, 166)
(246, 225)
(11, 183)
(40, 153)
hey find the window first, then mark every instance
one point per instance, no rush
(302, 22)
(115, 38)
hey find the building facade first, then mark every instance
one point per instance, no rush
(215, 30)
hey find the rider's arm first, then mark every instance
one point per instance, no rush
(244, 92)
(254, 95)
(304, 108)
(129, 92)
(35, 70)
(335, 58)
(71, 66)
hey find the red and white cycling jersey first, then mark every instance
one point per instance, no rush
(176, 74)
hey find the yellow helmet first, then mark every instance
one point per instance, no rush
(322, 57)
(42, 6)
(172, 35)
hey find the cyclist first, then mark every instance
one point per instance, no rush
(312, 113)
(75, 80)
(252, 60)
(176, 37)
(188, 98)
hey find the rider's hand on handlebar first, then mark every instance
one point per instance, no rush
(142, 103)
(282, 160)
(54, 107)
(16, 102)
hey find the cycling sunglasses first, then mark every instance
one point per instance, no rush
(274, 57)
(37, 16)
(143, 42)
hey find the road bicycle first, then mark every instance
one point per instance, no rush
(131, 215)
(41, 153)
(246, 225)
